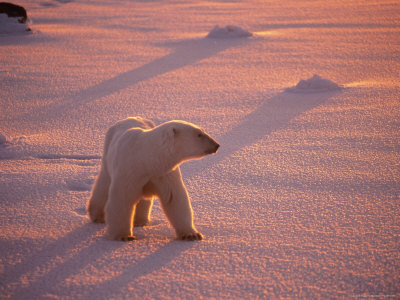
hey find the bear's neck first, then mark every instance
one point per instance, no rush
(163, 161)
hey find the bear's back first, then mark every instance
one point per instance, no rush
(115, 131)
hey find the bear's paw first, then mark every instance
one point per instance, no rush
(192, 236)
(128, 238)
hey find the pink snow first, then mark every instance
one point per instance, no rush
(300, 202)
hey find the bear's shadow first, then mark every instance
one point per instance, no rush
(151, 263)
(69, 255)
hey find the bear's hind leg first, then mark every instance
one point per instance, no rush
(99, 196)
(120, 211)
(142, 212)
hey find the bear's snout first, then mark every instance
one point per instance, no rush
(214, 147)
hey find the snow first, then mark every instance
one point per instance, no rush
(315, 84)
(302, 199)
(229, 31)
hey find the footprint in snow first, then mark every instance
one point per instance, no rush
(80, 212)
(79, 185)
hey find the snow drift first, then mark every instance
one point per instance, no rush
(12, 25)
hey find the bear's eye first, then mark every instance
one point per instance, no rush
(200, 135)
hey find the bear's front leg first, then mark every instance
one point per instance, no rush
(119, 212)
(175, 202)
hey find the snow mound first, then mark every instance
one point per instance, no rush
(229, 31)
(10, 149)
(16, 148)
(12, 25)
(315, 84)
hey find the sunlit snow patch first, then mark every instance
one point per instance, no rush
(12, 25)
(229, 31)
(315, 84)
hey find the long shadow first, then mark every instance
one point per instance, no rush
(275, 114)
(59, 261)
(184, 52)
(52, 256)
(73, 265)
(151, 263)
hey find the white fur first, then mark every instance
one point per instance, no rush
(140, 162)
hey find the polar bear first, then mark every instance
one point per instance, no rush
(141, 161)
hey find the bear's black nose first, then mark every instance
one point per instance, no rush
(216, 146)
(212, 149)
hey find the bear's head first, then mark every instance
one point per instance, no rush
(188, 141)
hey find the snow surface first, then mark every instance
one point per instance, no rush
(301, 200)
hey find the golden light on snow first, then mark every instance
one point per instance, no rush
(267, 33)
